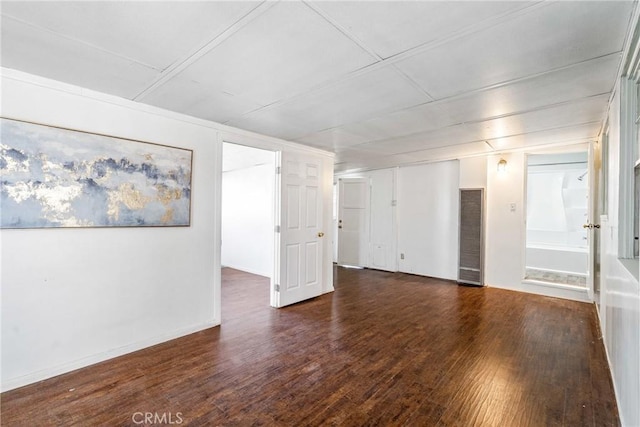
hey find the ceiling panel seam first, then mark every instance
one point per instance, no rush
(456, 96)
(82, 42)
(568, 142)
(536, 109)
(355, 39)
(486, 140)
(204, 48)
(390, 163)
(603, 57)
(366, 145)
(413, 83)
(343, 30)
(469, 93)
(474, 121)
(386, 62)
(484, 25)
(526, 78)
(437, 147)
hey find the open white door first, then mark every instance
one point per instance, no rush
(300, 242)
(353, 221)
(593, 223)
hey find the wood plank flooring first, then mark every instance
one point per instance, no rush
(383, 349)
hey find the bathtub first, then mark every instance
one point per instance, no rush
(562, 259)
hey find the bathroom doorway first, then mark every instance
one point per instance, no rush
(557, 246)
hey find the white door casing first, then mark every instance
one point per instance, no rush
(593, 221)
(353, 221)
(300, 241)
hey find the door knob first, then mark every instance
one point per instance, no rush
(320, 234)
(590, 225)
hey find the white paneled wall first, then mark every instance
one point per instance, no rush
(619, 292)
(414, 216)
(381, 253)
(382, 244)
(247, 219)
(428, 219)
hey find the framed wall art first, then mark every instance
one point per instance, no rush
(53, 177)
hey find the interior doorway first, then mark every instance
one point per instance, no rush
(557, 244)
(353, 222)
(272, 219)
(248, 215)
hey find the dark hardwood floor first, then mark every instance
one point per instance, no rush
(383, 349)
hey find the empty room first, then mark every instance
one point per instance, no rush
(412, 213)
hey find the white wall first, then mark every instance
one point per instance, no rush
(247, 219)
(473, 172)
(619, 293)
(72, 297)
(504, 255)
(428, 202)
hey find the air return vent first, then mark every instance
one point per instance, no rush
(471, 256)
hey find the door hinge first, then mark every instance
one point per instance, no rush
(277, 288)
(278, 170)
(277, 228)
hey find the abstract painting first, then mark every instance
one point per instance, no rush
(54, 177)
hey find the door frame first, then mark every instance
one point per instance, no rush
(596, 210)
(275, 206)
(587, 291)
(276, 145)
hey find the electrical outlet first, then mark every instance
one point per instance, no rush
(401, 256)
(512, 207)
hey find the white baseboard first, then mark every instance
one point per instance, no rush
(574, 293)
(556, 290)
(12, 383)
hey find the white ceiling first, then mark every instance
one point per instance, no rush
(380, 83)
